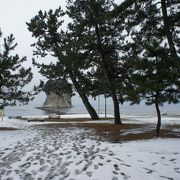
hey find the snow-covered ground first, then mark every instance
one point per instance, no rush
(17, 123)
(153, 119)
(54, 152)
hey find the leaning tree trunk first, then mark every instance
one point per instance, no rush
(158, 126)
(81, 93)
(117, 118)
(84, 98)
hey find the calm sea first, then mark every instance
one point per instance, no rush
(98, 104)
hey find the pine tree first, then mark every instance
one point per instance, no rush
(13, 76)
(154, 66)
(66, 47)
(90, 18)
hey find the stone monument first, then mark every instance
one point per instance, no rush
(59, 93)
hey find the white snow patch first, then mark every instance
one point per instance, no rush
(67, 116)
(151, 119)
(22, 123)
(68, 155)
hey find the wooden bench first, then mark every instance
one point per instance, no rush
(54, 116)
(35, 120)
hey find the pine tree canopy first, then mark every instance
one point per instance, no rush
(154, 64)
(13, 76)
(65, 46)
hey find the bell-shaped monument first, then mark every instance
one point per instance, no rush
(59, 93)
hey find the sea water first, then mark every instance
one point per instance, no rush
(100, 104)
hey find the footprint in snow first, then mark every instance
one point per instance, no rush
(126, 177)
(8, 172)
(167, 177)
(154, 163)
(115, 172)
(172, 160)
(149, 171)
(116, 167)
(96, 166)
(79, 162)
(115, 178)
(43, 168)
(89, 173)
(127, 165)
(100, 164)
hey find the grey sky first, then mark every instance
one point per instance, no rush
(15, 13)
(13, 17)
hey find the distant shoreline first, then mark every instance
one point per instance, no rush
(51, 110)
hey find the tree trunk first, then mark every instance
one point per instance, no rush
(84, 98)
(158, 126)
(117, 118)
(81, 93)
(167, 28)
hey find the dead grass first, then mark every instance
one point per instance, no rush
(124, 132)
(115, 133)
(7, 129)
(129, 132)
(174, 126)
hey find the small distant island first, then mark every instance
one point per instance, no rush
(59, 93)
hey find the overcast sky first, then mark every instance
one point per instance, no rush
(15, 13)
(13, 17)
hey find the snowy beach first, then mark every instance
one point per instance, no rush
(90, 90)
(39, 150)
